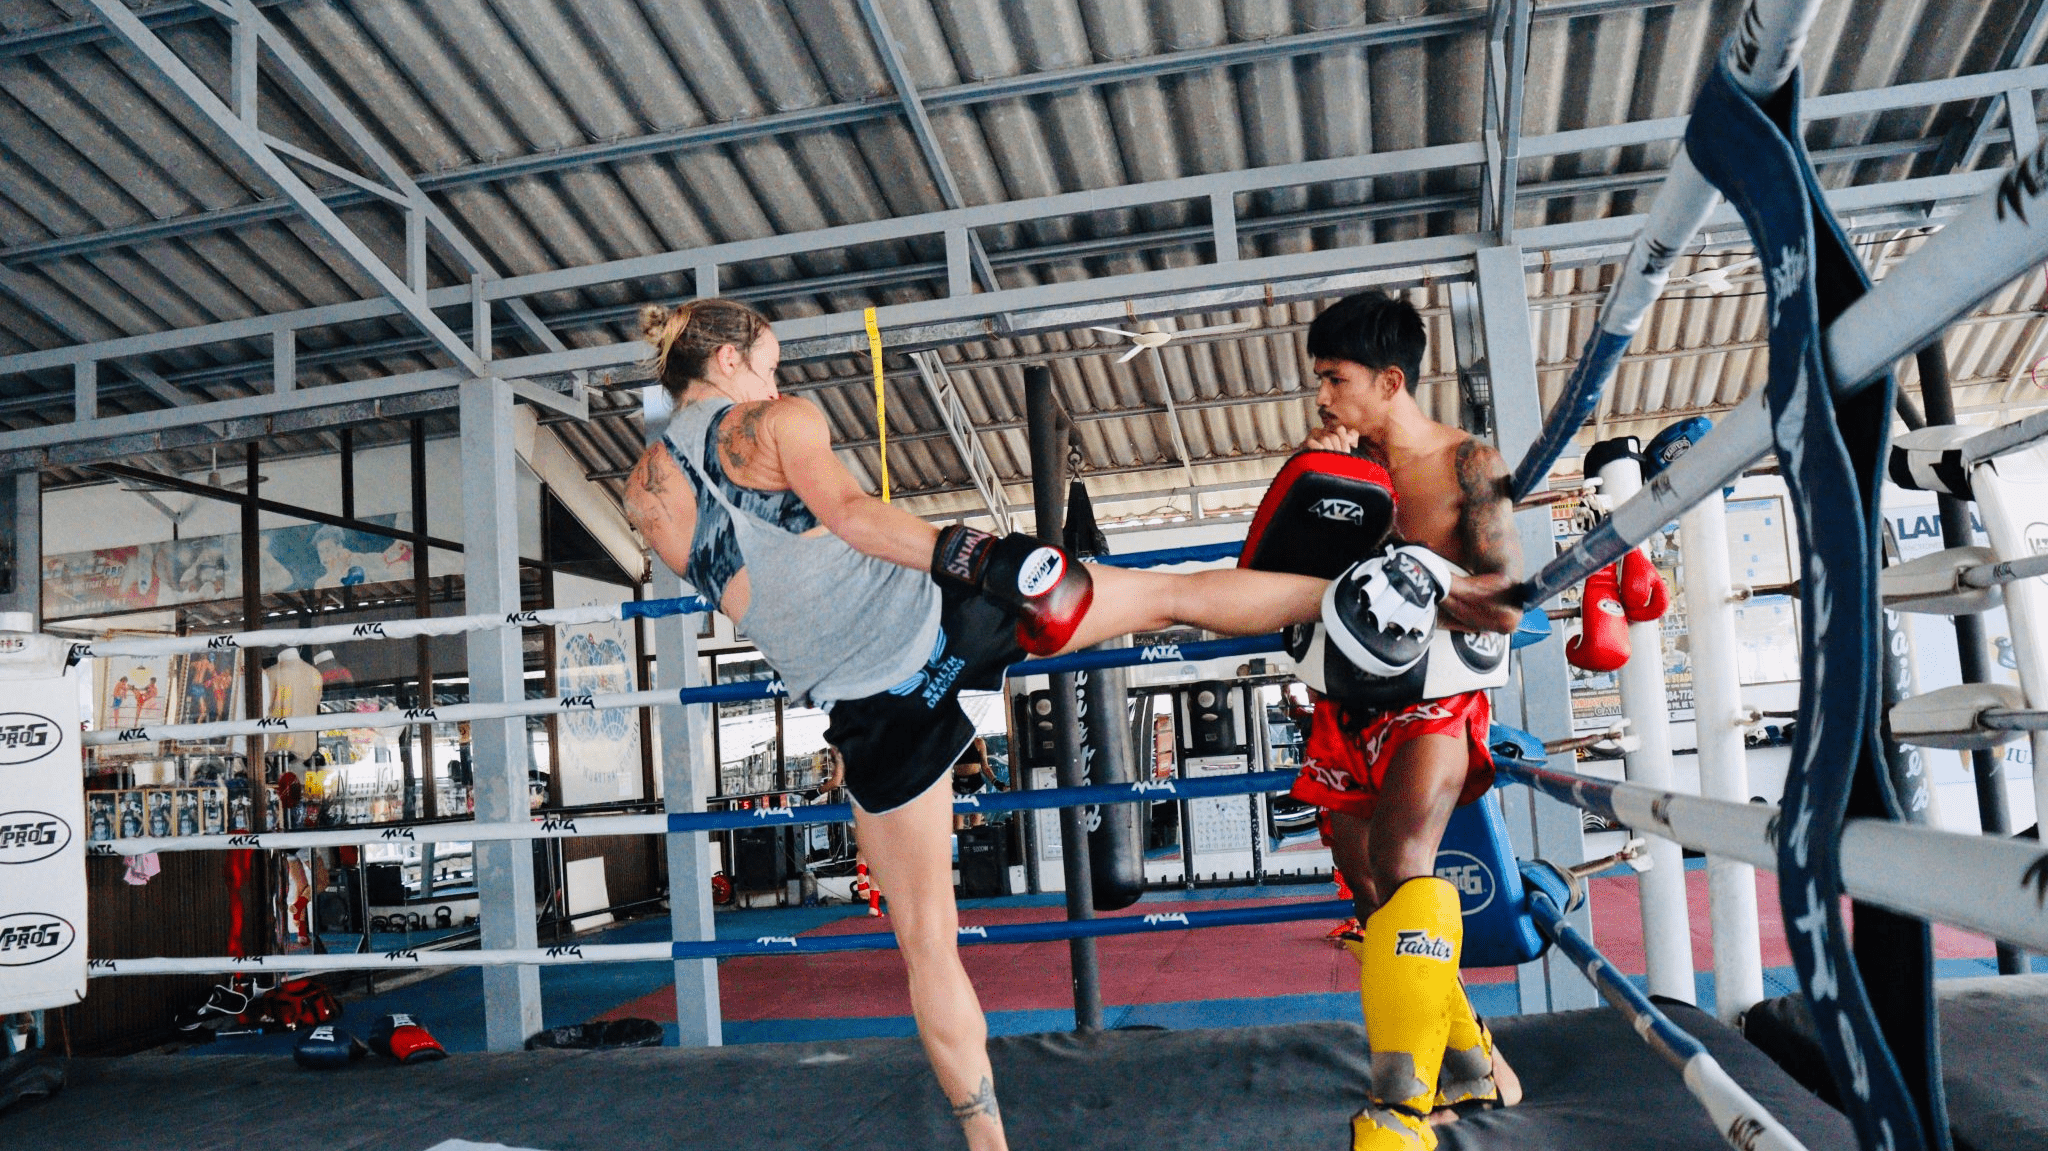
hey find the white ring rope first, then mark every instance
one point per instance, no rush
(1995, 240)
(385, 629)
(1995, 887)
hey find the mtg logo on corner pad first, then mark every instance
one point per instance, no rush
(26, 737)
(28, 836)
(31, 937)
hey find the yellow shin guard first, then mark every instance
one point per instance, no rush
(1467, 1072)
(1409, 989)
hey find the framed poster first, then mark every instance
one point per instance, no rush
(208, 687)
(598, 752)
(132, 691)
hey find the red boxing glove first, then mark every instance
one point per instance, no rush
(404, 1040)
(1041, 583)
(1602, 642)
(1643, 594)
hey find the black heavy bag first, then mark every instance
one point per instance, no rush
(1116, 831)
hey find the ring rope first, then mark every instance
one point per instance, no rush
(1761, 54)
(387, 629)
(1742, 1121)
(662, 697)
(1999, 237)
(1995, 887)
(542, 617)
(573, 827)
(1049, 931)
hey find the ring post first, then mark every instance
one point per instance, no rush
(42, 840)
(1538, 698)
(490, 575)
(1724, 762)
(1667, 935)
(687, 771)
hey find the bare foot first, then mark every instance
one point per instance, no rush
(1504, 1080)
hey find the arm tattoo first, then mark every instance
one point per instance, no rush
(982, 1102)
(645, 478)
(740, 438)
(1486, 520)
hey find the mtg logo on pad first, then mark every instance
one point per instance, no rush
(31, 937)
(1473, 879)
(27, 836)
(26, 737)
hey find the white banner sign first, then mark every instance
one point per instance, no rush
(42, 828)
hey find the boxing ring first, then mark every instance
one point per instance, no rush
(1840, 832)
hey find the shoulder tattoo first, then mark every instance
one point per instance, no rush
(739, 434)
(1485, 518)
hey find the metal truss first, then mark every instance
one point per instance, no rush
(969, 316)
(253, 39)
(1966, 143)
(1414, 30)
(1507, 60)
(959, 428)
(927, 140)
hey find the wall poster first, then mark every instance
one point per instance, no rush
(597, 752)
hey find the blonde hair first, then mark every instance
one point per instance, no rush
(685, 337)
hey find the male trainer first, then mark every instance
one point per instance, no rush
(1398, 738)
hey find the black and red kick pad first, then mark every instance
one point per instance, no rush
(1324, 512)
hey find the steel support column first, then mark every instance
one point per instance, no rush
(1540, 828)
(490, 574)
(689, 776)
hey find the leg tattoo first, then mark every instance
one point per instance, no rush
(982, 1102)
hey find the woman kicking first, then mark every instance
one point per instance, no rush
(882, 618)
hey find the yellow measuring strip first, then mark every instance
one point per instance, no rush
(881, 404)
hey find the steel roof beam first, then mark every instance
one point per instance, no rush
(1966, 142)
(1017, 211)
(931, 323)
(802, 120)
(70, 35)
(902, 275)
(243, 134)
(927, 140)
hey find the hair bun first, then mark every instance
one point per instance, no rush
(653, 318)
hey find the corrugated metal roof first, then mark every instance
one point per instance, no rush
(562, 134)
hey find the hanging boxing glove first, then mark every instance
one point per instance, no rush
(1602, 642)
(1641, 588)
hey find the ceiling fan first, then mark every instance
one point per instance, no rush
(1151, 336)
(177, 516)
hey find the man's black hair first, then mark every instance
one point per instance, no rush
(1374, 329)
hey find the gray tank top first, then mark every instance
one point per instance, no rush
(834, 623)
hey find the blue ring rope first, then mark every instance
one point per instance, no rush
(1146, 791)
(1046, 932)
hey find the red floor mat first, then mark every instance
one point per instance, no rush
(1256, 961)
